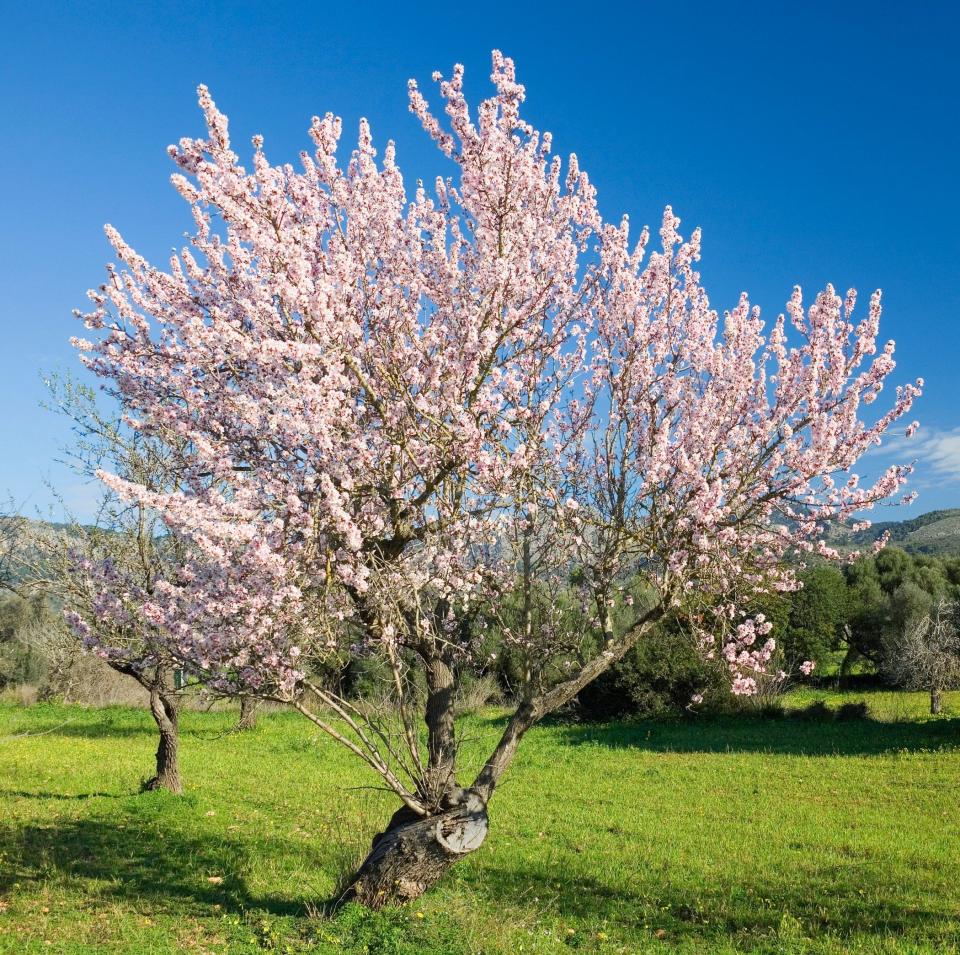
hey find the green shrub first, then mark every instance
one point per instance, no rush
(656, 678)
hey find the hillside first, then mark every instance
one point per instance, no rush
(937, 532)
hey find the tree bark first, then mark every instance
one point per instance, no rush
(248, 713)
(413, 852)
(936, 702)
(164, 710)
(441, 735)
(849, 658)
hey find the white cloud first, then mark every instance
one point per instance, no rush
(936, 451)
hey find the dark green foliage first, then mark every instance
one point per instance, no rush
(19, 661)
(815, 616)
(887, 591)
(656, 678)
(850, 611)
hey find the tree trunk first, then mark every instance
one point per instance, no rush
(935, 701)
(248, 713)
(164, 711)
(412, 853)
(850, 657)
(441, 737)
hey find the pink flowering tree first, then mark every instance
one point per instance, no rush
(400, 406)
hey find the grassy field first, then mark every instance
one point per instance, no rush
(704, 835)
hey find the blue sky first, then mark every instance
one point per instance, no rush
(813, 142)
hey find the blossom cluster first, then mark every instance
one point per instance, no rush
(389, 397)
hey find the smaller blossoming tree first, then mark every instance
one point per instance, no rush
(101, 574)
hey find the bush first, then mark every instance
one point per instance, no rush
(656, 678)
(475, 692)
(20, 660)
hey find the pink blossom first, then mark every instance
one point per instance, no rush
(388, 393)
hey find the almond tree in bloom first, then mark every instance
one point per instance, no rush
(399, 406)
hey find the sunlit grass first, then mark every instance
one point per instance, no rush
(703, 835)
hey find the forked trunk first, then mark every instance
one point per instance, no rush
(164, 711)
(413, 853)
(248, 713)
(936, 702)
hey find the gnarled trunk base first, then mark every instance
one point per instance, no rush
(412, 854)
(168, 766)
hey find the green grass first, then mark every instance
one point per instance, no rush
(704, 835)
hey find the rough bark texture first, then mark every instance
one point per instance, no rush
(936, 702)
(441, 737)
(248, 713)
(164, 711)
(413, 853)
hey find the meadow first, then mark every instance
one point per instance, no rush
(707, 834)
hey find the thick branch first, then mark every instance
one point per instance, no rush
(441, 740)
(532, 711)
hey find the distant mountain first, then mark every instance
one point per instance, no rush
(937, 532)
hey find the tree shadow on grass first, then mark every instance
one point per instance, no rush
(791, 736)
(146, 860)
(108, 728)
(46, 794)
(86, 728)
(842, 902)
(145, 856)
(747, 733)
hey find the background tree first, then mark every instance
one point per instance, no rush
(94, 573)
(925, 653)
(888, 590)
(397, 409)
(20, 659)
(11, 525)
(816, 616)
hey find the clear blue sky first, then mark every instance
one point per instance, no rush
(813, 142)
